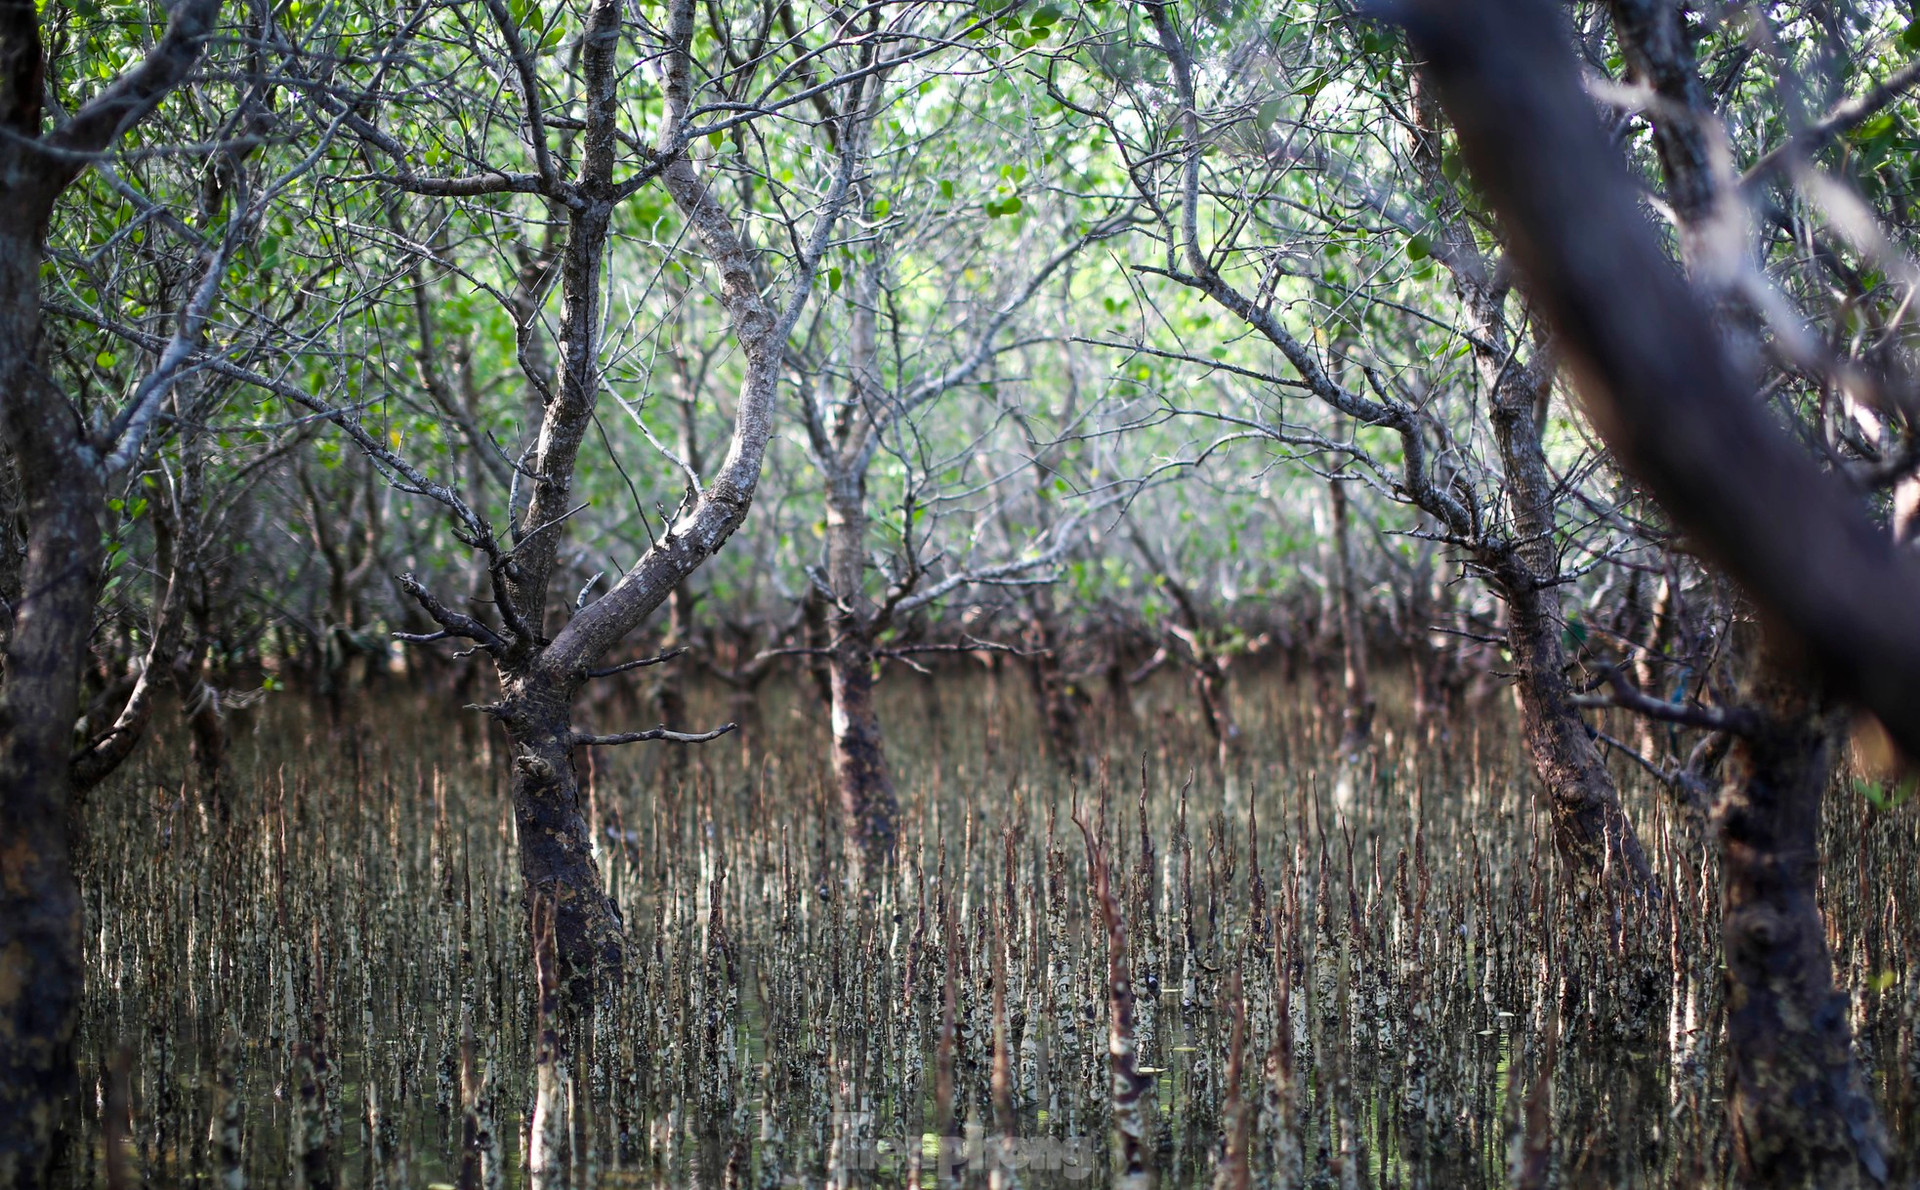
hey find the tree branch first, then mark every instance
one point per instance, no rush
(624, 666)
(101, 121)
(1652, 367)
(1625, 697)
(658, 733)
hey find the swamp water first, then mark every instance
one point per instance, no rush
(337, 988)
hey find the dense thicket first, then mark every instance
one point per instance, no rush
(552, 362)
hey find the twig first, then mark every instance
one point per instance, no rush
(658, 733)
(624, 666)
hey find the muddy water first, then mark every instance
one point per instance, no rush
(336, 988)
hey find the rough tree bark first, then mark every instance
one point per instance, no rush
(843, 445)
(39, 900)
(62, 470)
(1802, 1114)
(1801, 1111)
(1588, 823)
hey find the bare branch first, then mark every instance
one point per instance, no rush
(624, 666)
(658, 733)
(454, 623)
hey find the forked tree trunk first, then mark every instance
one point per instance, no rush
(1678, 413)
(1801, 1112)
(1591, 832)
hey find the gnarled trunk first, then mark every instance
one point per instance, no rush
(1590, 830)
(556, 840)
(63, 491)
(1802, 1116)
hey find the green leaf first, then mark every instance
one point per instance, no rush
(880, 208)
(833, 280)
(1876, 128)
(1910, 37)
(105, 359)
(1886, 797)
(1419, 248)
